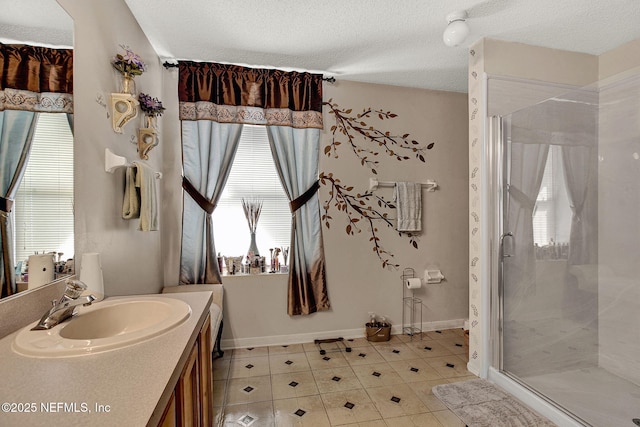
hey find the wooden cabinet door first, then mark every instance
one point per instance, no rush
(188, 391)
(169, 416)
(206, 374)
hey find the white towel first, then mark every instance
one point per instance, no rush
(146, 182)
(408, 198)
(140, 196)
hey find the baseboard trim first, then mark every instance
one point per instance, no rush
(232, 343)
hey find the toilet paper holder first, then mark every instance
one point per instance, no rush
(411, 306)
(433, 276)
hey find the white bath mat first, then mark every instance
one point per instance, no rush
(479, 403)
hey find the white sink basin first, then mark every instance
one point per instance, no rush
(107, 325)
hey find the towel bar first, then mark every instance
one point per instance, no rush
(112, 162)
(374, 184)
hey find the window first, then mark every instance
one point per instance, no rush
(43, 209)
(552, 213)
(253, 175)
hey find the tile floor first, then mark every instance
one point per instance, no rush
(375, 385)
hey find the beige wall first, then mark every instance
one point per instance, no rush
(255, 307)
(619, 60)
(131, 259)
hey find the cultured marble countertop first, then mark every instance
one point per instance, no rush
(124, 387)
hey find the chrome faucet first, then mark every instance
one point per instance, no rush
(65, 307)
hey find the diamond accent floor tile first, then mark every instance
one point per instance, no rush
(311, 410)
(249, 367)
(292, 385)
(326, 383)
(376, 374)
(336, 379)
(287, 363)
(246, 421)
(396, 401)
(350, 407)
(415, 370)
(235, 415)
(248, 390)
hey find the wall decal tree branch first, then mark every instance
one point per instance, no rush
(351, 127)
(366, 207)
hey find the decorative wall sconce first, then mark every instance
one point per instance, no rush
(124, 105)
(147, 138)
(124, 108)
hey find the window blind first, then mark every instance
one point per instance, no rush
(253, 176)
(43, 209)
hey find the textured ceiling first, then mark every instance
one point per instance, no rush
(392, 42)
(39, 22)
(397, 43)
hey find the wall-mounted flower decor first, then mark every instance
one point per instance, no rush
(124, 106)
(147, 136)
(129, 63)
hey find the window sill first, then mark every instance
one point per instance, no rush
(244, 275)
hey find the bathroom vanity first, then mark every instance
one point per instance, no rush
(161, 381)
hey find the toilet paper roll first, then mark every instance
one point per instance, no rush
(414, 283)
(91, 274)
(41, 270)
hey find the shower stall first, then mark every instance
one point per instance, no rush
(564, 198)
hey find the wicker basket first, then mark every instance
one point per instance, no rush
(378, 332)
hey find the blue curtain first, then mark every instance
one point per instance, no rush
(295, 153)
(208, 150)
(16, 134)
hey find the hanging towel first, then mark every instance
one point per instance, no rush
(131, 204)
(146, 182)
(140, 198)
(408, 198)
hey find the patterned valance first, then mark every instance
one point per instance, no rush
(234, 94)
(35, 78)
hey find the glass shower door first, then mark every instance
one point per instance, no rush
(570, 238)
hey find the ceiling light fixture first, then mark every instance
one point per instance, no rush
(457, 29)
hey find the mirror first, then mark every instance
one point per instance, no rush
(43, 23)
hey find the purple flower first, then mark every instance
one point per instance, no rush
(150, 106)
(129, 63)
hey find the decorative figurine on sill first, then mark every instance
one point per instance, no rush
(284, 268)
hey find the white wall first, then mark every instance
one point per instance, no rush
(131, 259)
